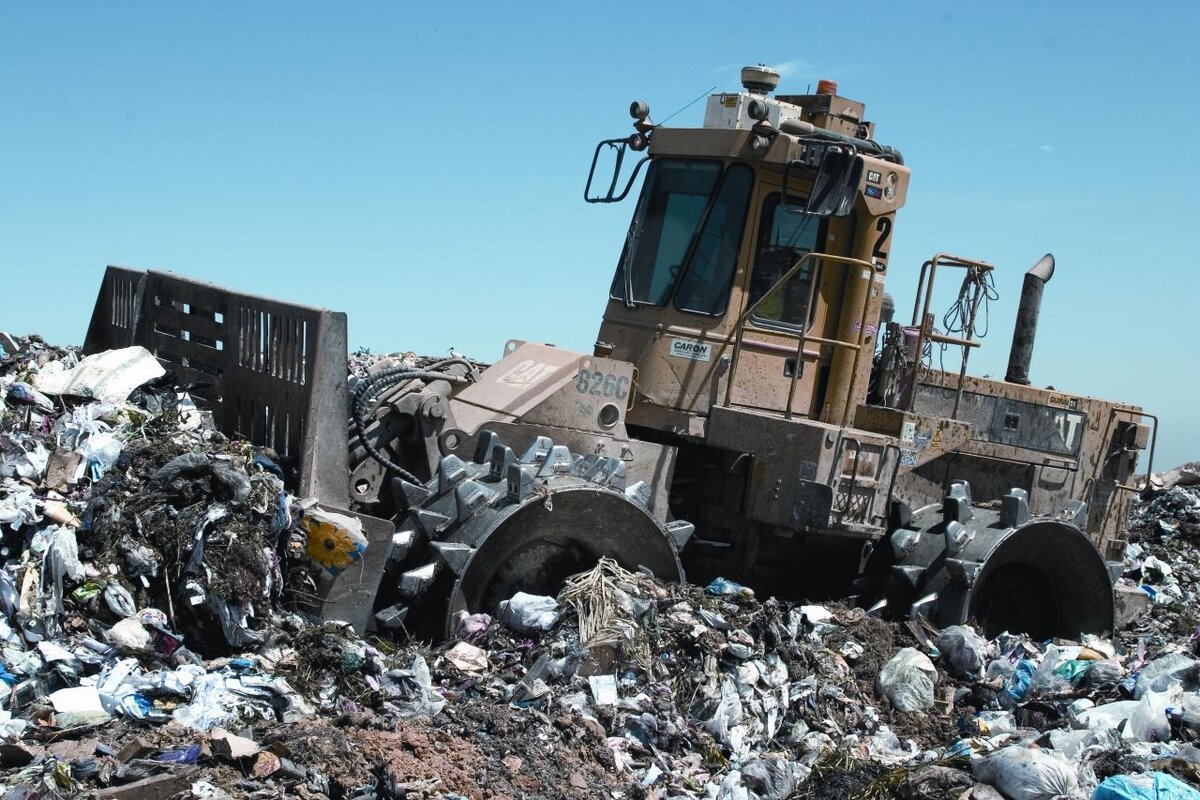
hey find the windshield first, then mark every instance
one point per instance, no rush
(683, 218)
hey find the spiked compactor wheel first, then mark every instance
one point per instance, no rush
(482, 530)
(1000, 567)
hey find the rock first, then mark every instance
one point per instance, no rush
(17, 754)
(74, 749)
(232, 747)
(136, 747)
(1131, 604)
(266, 764)
(152, 788)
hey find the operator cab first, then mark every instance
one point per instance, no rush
(752, 272)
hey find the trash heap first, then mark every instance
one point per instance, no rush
(160, 639)
(155, 573)
(707, 692)
(1160, 557)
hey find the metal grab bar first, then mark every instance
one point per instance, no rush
(804, 338)
(925, 320)
(1153, 443)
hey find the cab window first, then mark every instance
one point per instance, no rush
(706, 284)
(784, 238)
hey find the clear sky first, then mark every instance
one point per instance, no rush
(421, 165)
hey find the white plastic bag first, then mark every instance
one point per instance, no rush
(1148, 722)
(111, 375)
(1023, 773)
(907, 680)
(335, 541)
(529, 612)
(1107, 716)
(1161, 673)
(1044, 680)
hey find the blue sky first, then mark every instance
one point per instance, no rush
(421, 167)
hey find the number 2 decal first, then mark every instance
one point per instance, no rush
(884, 226)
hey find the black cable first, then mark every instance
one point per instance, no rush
(381, 382)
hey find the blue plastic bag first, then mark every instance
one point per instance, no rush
(1018, 684)
(188, 755)
(1147, 786)
(723, 587)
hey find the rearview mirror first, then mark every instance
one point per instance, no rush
(615, 150)
(839, 172)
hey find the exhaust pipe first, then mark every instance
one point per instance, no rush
(1027, 320)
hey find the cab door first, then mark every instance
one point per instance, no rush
(767, 360)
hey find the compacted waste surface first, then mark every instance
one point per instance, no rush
(159, 639)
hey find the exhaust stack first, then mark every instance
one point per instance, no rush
(1027, 320)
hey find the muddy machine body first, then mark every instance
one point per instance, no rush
(752, 407)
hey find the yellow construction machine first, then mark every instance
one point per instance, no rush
(752, 409)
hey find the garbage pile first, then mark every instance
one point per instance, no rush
(707, 692)
(159, 639)
(1160, 559)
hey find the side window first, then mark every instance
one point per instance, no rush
(708, 280)
(783, 240)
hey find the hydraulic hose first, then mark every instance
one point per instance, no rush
(376, 385)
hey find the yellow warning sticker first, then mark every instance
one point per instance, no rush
(936, 441)
(1059, 400)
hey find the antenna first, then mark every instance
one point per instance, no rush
(699, 97)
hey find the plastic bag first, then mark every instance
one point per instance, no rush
(1149, 786)
(468, 626)
(771, 778)
(23, 456)
(1103, 674)
(468, 658)
(1148, 722)
(18, 506)
(907, 680)
(98, 454)
(1045, 679)
(1159, 674)
(997, 721)
(725, 724)
(1071, 744)
(963, 650)
(529, 612)
(1107, 716)
(1022, 773)
(119, 600)
(1073, 671)
(1018, 684)
(335, 541)
(723, 587)
(416, 696)
(212, 705)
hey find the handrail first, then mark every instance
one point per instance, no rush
(924, 323)
(1153, 443)
(804, 337)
